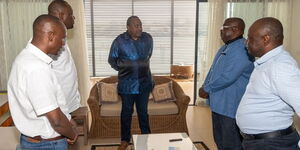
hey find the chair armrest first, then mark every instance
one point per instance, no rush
(182, 102)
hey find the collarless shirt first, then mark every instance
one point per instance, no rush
(228, 77)
(272, 95)
(131, 59)
(66, 73)
(33, 90)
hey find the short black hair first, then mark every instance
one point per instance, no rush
(130, 19)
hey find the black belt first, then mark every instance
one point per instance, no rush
(269, 135)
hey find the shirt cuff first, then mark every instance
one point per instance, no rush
(206, 88)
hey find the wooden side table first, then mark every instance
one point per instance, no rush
(80, 116)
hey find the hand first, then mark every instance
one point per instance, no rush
(202, 93)
(72, 141)
(74, 125)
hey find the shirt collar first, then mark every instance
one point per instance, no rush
(269, 55)
(230, 41)
(39, 53)
(127, 36)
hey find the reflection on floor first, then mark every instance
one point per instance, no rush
(199, 125)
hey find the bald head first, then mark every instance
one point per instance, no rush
(270, 26)
(264, 35)
(62, 10)
(46, 23)
(48, 34)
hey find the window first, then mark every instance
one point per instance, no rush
(170, 22)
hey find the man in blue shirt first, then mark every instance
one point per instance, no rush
(265, 114)
(226, 82)
(130, 55)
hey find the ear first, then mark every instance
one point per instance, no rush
(61, 16)
(267, 39)
(50, 36)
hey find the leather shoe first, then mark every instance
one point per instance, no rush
(123, 145)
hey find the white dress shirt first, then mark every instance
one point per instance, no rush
(33, 90)
(272, 95)
(65, 71)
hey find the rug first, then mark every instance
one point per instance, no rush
(199, 145)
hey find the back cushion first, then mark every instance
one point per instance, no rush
(107, 92)
(163, 92)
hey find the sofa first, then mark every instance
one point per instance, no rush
(165, 117)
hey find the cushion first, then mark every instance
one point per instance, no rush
(163, 92)
(114, 109)
(107, 92)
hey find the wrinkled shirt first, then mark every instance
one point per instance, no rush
(131, 59)
(33, 91)
(228, 77)
(272, 95)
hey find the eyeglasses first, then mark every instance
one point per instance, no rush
(226, 27)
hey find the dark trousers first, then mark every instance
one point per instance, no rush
(141, 102)
(286, 142)
(226, 133)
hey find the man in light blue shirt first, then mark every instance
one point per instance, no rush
(265, 114)
(226, 82)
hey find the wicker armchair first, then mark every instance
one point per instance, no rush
(109, 126)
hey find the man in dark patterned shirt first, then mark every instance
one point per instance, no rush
(130, 55)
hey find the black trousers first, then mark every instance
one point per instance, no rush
(141, 103)
(226, 133)
(286, 142)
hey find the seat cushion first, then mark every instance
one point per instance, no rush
(166, 108)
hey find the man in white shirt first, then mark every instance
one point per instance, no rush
(63, 64)
(36, 101)
(265, 114)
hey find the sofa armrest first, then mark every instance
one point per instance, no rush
(93, 102)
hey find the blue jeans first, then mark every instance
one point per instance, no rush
(61, 144)
(286, 142)
(226, 133)
(141, 102)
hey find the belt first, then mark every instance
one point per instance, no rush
(38, 139)
(269, 135)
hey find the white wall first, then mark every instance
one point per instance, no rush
(295, 31)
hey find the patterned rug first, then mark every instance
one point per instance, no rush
(199, 145)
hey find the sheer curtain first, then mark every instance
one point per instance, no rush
(77, 41)
(16, 17)
(215, 21)
(249, 11)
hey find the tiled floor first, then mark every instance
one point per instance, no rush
(199, 125)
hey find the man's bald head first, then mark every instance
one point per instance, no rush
(46, 23)
(272, 27)
(48, 33)
(264, 35)
(62, 10)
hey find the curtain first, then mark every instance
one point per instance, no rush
(77, 41)
(249, 11)
(213, 42)
(16, 18)
(280, 9)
